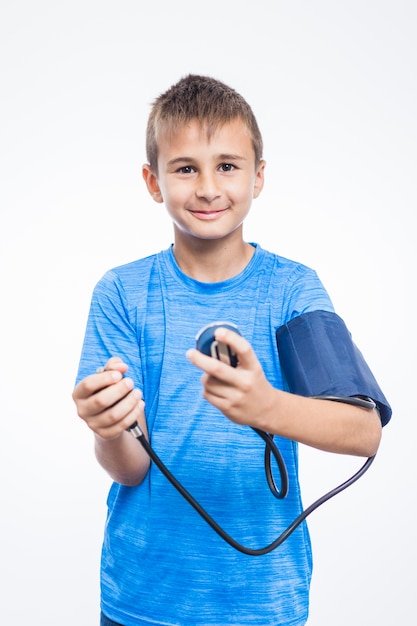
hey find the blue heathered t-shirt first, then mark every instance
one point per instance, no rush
(161, 562)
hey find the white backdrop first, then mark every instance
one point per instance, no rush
(333, 85)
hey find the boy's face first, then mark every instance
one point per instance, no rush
(207, 184)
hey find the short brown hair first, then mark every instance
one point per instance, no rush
(201, 98)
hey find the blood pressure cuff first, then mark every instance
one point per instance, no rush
(319, 358)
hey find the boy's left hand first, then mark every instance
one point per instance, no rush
(243, 394)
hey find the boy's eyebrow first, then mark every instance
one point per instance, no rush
(177, 160)
(219, 157)
(232, 157)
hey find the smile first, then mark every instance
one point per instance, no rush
(208, 215)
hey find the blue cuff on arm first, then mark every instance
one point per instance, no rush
(319, 358)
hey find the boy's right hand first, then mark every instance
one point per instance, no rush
(108, 402)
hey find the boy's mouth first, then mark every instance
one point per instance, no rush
(208, 215)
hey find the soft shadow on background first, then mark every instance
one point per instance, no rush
(333, 86)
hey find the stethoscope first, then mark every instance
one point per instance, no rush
(270, 448)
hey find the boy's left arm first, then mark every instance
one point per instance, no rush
(245, 396)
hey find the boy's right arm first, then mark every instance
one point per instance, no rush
(109, 404)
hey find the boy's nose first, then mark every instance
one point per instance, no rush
(207, 188)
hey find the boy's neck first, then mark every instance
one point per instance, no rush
(213, 261)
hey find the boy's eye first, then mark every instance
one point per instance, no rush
(227, 167)
(186, 169)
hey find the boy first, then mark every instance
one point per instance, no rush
(161, 563)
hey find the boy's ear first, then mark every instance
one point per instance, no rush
(151, 181)
(259, 179)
